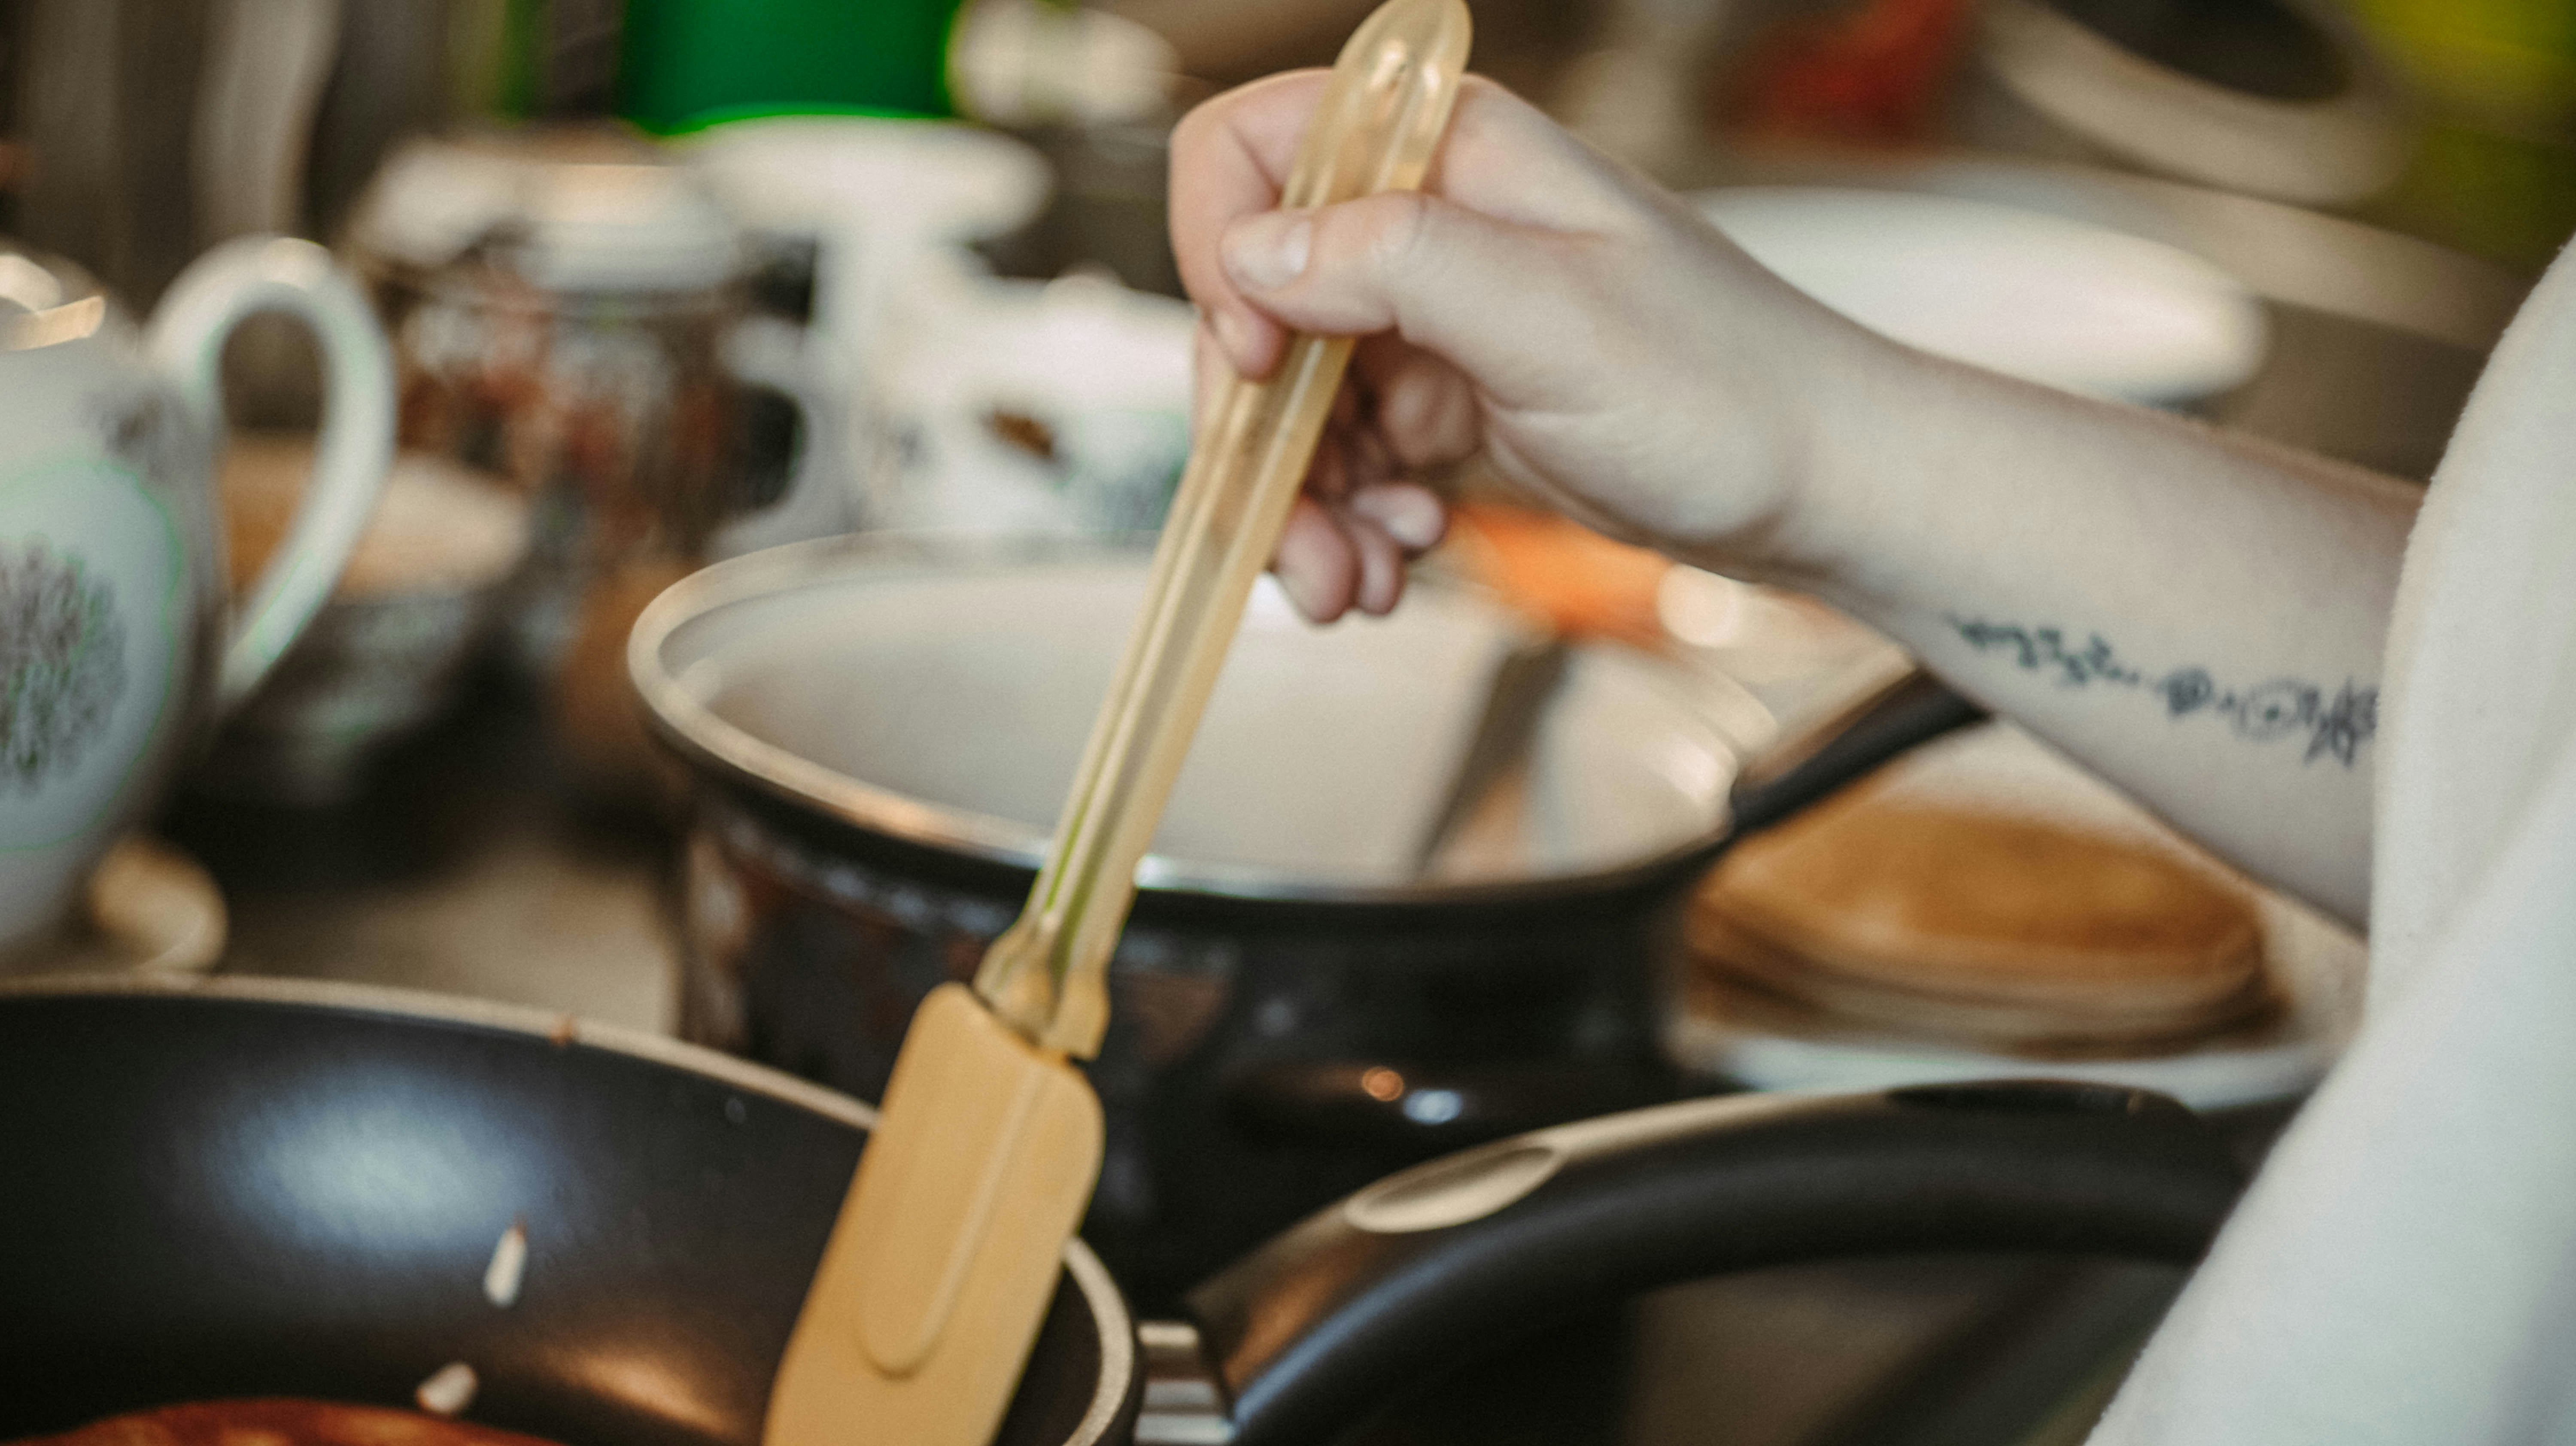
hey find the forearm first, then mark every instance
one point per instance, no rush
(2196, 615)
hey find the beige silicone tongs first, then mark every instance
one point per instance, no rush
(946, 1251)
(1375, 130)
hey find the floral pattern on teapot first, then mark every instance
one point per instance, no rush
(91, 572)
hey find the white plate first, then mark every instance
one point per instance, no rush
(2062, 302)
(932, 179)
(2316, 964)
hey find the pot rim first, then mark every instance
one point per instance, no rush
(1115, 1328)
(731, 755)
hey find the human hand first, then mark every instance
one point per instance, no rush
(1600, 344)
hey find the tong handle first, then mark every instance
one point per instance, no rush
(1381, 117)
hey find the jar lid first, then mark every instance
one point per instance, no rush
(573, 211)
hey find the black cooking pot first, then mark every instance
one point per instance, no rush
(881, 728)
(251, 1187)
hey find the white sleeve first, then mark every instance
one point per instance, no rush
(2404, 1269)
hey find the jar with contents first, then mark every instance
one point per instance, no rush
(571, 312)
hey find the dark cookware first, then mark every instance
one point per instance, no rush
(1297, 1006)
(253, 1187)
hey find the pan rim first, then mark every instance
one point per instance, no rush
(1111, 1322)
(732, 756)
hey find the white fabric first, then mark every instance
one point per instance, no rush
(2482, 656)
(2404, 1270)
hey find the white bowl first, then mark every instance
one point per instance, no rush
(2046, 298)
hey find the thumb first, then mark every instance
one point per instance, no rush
(1424, 267)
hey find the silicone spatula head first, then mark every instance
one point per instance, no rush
(940, 1267)
(948, 1245)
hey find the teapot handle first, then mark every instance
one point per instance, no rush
(186, 341)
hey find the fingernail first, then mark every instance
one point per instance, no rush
(1264, 253)
(1410, 515)
(1381, 577)
(1230, 336)
(1304, 589)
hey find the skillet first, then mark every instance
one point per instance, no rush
(242, 1187)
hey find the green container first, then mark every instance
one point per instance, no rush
(685, 64)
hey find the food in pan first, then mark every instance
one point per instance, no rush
(280, 1422)
(1940, 920)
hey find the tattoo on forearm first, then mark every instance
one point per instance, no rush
(2335, 724)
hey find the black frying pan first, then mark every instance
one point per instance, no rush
(253, 1187)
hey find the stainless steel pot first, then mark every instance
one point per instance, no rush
(881, 732)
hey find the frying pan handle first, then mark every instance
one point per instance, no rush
(1913, 710)
(1427, 1266)
(1430, 1107)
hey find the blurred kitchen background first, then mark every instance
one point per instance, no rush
(677, 283)
(672, 281)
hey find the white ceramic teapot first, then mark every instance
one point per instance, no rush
(118, 642)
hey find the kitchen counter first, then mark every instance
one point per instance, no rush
(471, 865)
